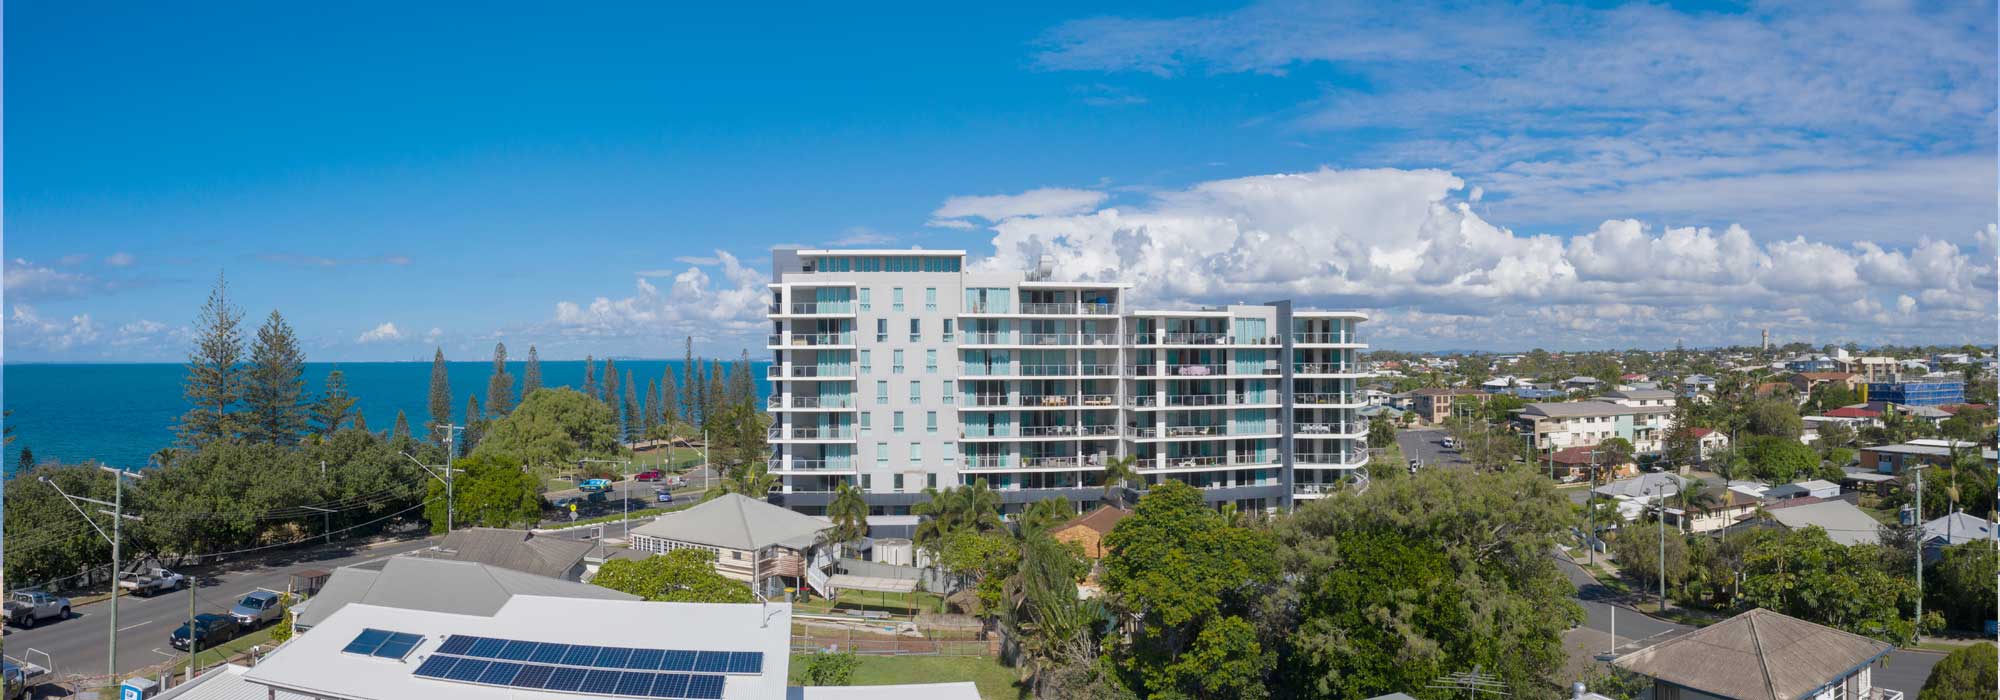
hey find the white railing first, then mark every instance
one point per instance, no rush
(827, 433)
(815, 339)
(1322, 338)
(1050, 462)
(986, 461)
(809, 465)
(1325, 398)
(815, 402)
(1336, 457)
(1194, 461)
(1322, 367)
(813, 308)
(1335, 428)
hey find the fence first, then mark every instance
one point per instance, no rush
(807, 639)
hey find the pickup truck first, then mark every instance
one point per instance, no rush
(20, 677)
(29, 608)
(153, 582)
(594, 486)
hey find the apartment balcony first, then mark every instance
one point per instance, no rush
(1001, 339)
(1328, 399)
(1198, 401)
(1324, 368)
(1201, 339)
(1039, 432)
(1042, 309)
(977, 401)
(1200, 432)
(782, 466)
(1062, 371)
(1325, 339)
(990, 462)
(814, 309)
(780, 341)
(812, 372)
(1337, 459)
(1192, 371)
(811, 434)
(1329, 429)
(811, 403)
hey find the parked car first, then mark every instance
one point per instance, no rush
(20, 677)
(649, 475)
(677, 481)
(210, 629)
(594, 486)
(1449, 443)
(156, 581)
(29, 608)
(663, 495)
(257, 609)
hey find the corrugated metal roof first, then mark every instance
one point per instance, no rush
(1758, 655)
(735, 521)
(1843, 522)
(519, 550)
(439, 585)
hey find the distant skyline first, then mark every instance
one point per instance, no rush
(608, 179)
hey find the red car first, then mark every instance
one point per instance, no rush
(653, 475)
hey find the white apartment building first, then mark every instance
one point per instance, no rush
(901, 370)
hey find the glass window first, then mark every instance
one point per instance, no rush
(881, 391)
(899, 423)
(930, 422)
(881, 454)
(931, 479)
(950, 452)
(896, 300)
(866, 424)
(930, 298)
(897, 365)
(881, 330)
(865, 297)
(916, 330)
(867, 362)
(899, 481)
(930, 361)
(916, 392)
(916, 453)
(947, 330)
(946, 391)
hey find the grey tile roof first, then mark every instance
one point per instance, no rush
(1758, 655)
(439, 585)
(519, 550)
(1843, 522)
(734, 521)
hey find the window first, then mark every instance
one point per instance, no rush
(930, 422)
(930, 298)
(931, 480)
(950, 452)
(916, 330)
(881, 392)
(897, 366)
(867, 482)
(896, 300)
(916, 453)
(950, 396)
(899, 482)
(881, 330)
(916, 392)
(866, 424)
(867, 362)
(930, 361)
(865, 297)
(947, 330)
(899, 423)
(882, 455)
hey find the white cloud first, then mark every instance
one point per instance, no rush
(693, 304)
(72, 259)
(1046, 201)
(26, 328)
(120, 259)
(960, 224)
(433, 335)
(385, 333)
(30, 282)
(1404, 243)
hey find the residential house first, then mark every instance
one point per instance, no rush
(1893, 459)
(1762, 655)
(520, 550)
(435, 585)
(1695, 383)
(1573, 463)
(1767, 390)
(1807, 382)
(1638, 494)
(1843, 522)
(1733, 506)
(770, 546)
(1088, 530)
(1582, 383)
(1435, 405)
(1954, 529)
(1554, 426)
(1815, 488)
(1870, 369)
(1812, 362)
(1710, 442)
(1639, 398)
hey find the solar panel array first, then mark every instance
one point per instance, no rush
(593, 670)
(383, 644)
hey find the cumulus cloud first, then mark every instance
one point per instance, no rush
(862, 235)
(27, 328)
(695, 302)
(385, 333)
(30, 282)
(1408, 244)
(951, 223)
(1046, 201)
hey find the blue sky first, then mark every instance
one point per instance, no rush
(607, 179)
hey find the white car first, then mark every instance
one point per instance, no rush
(1450, 444)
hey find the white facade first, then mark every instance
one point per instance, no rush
(899, 370)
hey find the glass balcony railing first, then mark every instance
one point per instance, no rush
(1323, 368)
(1326, 398)
(1322, 338)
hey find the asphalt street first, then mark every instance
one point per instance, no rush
(1427, 447)
(77, 645)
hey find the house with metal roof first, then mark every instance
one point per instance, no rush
(1818, 488)
(519, 550)
(1954, 529)
(1762, 655)
(769, 546)
(435, 585)
(1843, 522)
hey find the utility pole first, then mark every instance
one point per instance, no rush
(446, 480)
(1662, 524)
(118, 517)
(1917, 519)
(450, 497)
(625, 490)
(194, 642)
(326, 519)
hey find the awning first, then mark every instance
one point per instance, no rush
(845, 582)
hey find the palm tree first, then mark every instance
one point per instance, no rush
(979, 507)
(1117, 472)
(163, 457)
(934, 518)
(1043, 516)
(849, 512)
(752, 480)
(1699, 499)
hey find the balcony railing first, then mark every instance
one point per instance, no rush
(1193, 461)
(1051, 462)
(1335, 457)
(1247, 459)
(1065, 309)
(813, 339)
(809, 465)
(1326, 398)
(1335, 428)
(810, 371)
(986, 461)
(1323, 338)
(1322, 367)
(812, 402)
(1175, 431)
(811, 308)
(815, 433)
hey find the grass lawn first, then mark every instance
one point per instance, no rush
(212, 657)
(996, 682)
(892, 603)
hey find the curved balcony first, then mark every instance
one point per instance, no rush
(1335, 429)
(1336, 459)
(1322, 338)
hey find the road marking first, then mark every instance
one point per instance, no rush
(156, 650)
(142, 624)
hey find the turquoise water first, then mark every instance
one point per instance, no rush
(121, 413)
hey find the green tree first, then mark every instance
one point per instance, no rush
(669, 405)
(214, 382)
(826, 668)
(942, 513)
(1189, 581)
(282, 631)
(1044, 613)
(475, 425)
(45, 541)
(1773, 417)
(333, 409)
(981, 562)
(400, 433)
(1966, 674)
(1804, 574)
(650, 411)
(849, 513)
(752, 480)
(440, 399)
(610, 396)
(1778, 459)
(531, 375)
(1045, 515)
(26, 463)
(554, 427)
(1381, 433)
(690, 388)
(500, 388)
(1119, 471)
(590, 376)
(634, 420)
(679, 576)
(1614, 451)
(1637, 550)
(1961, 584)
(274, 385)
(492, 490)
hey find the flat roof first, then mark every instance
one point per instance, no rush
(897, 251)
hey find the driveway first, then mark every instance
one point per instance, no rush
(1427, 447)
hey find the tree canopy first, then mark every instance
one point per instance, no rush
(1966, 674)
(553, 427)
(679, 576)
(492, 490)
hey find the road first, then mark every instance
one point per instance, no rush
(1427, 447)
(77, 645)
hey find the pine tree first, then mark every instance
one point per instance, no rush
(400, 433)
(703, 407)
(742, 388)
(589, 376)
(531, 378)
(716, 394)
(633, 419)
(650, 411)
(670, 401)
(27, 460)
(360, 421)
(500, 389)
(214, 381)
(610, 397)
(274, 387)
(333, 406)
(689, 389)
(475, 424)
(440, 398)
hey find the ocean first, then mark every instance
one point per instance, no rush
(121, 413)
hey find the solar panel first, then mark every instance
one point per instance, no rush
(580, 655)
(436, 666)
(467, 670)
(670, 685)
(457, 644)
(635, 683)
(487, 648)
(645, 659)
(367, 642)
(500, 673)
(518, 651)
(565, 679)
(600, 683)
(712, 662)
(705, 687)
(612, 657)
(549, 653)
(533, 676)
(677, 660)
(398, 646)
(746, 662)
